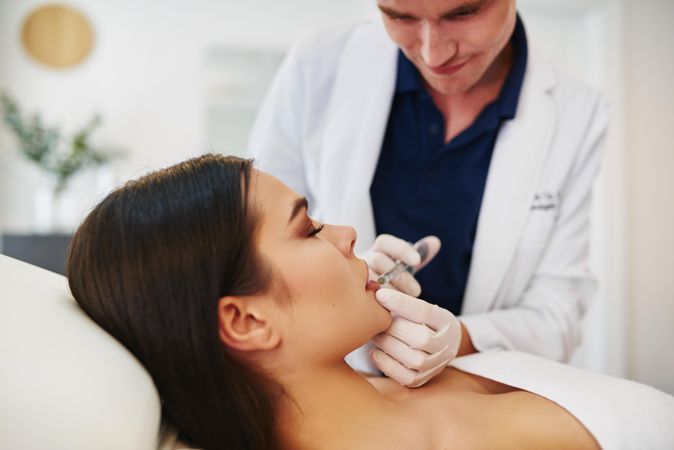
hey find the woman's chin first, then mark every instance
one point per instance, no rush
(384, 318)
(382, 315)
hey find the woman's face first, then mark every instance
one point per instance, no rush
(451, 42)
(325, 309)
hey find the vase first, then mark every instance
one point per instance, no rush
(47, 214)
(60, 211)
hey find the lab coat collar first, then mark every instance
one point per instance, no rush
(515, 172)
(361, 99)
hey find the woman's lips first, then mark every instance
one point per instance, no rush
(447, 69)
(372, 285)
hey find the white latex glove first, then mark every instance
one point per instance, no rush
(421, 340)
(388, 249)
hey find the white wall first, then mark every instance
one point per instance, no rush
(649, 138)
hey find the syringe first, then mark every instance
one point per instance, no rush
(421, 247)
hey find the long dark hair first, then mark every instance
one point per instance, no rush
(149, 264)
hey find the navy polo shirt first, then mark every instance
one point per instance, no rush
(423, 186)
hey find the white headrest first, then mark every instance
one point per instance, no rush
(64, 382)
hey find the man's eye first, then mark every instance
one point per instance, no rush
(464, 14)
(467, 13)
(313, 231)
(399, 18)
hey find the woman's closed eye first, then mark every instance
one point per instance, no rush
(313, 230)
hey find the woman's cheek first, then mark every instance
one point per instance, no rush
(311, 275)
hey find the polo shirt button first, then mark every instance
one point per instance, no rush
(432, 175)
(434, 128)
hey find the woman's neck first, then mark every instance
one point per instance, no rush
(330, 402)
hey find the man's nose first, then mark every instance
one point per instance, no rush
(436, 47)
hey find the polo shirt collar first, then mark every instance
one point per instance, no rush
(408, 78)
(510, 92)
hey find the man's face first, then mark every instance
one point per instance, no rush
(451, 42)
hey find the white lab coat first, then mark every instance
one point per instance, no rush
(320, 130)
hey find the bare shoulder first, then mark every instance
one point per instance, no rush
(461, 410)
(478, 413)
(522, 420)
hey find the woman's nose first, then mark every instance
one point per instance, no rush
(436, 47)
(344, 238)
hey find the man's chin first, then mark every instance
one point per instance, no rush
(448, 86)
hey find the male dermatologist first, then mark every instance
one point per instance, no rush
(440, 118)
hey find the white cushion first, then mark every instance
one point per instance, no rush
(64, 382)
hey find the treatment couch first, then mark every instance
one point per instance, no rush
(64, 382)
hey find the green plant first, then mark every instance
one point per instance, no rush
(49, 149)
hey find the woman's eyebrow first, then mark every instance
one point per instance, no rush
(299, 204)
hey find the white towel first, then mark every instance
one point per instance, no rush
(620, 414)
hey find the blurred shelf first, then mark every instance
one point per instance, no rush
(43, 250)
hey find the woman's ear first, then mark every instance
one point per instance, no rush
(244, 325)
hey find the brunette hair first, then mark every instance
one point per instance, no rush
(149, 265)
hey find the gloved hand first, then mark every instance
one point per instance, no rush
(382, 256)
(421, 340)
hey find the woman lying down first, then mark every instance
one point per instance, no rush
(242, 308)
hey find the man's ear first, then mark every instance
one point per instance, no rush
(244, 325)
